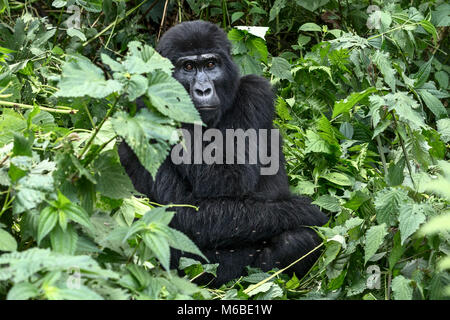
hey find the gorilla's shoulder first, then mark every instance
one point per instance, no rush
(253, 84)
(256, 97)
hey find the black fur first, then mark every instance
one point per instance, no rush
(244, 218)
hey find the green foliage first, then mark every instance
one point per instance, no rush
(362, 103)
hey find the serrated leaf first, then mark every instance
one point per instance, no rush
(387, 203)
(423, 74)
(281, 68)
(328, 202)
(171, 99)
(47, 221)
(401, 288)
(78, 214)
(428, 26)
(112, 180)
(142, 58)
(433, 103)
(64, 241)
(338, 178)
(314, 143)
(137, 132)
(410, 218)
(383, 62)
(80, 77)
(345, 105)
(374, 239)
(160, 247)
(180, 241)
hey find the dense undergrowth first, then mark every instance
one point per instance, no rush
(361, 102)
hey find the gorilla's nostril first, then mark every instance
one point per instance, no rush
(202, 93)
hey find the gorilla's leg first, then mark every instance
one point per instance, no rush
(278, 252)
(286, 248)
(232, 263)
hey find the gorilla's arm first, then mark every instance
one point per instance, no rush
(226, 222)
(221, 222)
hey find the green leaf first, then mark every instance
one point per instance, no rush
(387, 204)
(310, 27)
(47, 221)
(78, 214)
(433, 103)
(72, 32)
(159, 246)
(236, 16)
(410, 218)
(7, 241)
(19, 266)
(281, 68)
(381, 59)
(258, 48)
(22, 291)
(138, 130)
(374, 239)
(396, 252)
(314, 143)
(329, 203)
(142, 58)
(311, 5)
(345, 105)
(159, 215)
(64, 241)
(276, 8)
(402, 288)
(442, 78)
(171, 99)
(338, 178)
(180, 241)
(428, 26)
(423, 74)
(112, 180)
(80, 77)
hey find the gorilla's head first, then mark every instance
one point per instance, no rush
(200, 52)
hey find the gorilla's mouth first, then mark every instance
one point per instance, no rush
(207, 108)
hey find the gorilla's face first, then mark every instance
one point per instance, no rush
(203, 77)
(201, 54)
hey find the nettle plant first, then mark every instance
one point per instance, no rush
(366, 129)
(60, 186)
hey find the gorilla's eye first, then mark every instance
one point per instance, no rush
(188, 66)
(210, 64)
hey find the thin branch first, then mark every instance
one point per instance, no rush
(9, 104)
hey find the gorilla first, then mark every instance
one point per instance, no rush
(244, 218)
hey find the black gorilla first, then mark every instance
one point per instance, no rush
(244, 218)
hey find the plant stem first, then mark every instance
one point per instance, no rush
(27, 106)
(112, 24)
(97, 129)
(380, 150)
(252, 287)
(402, 143)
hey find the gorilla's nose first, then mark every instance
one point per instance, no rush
(202, 91)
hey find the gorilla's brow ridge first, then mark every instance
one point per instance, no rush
(199, 57)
